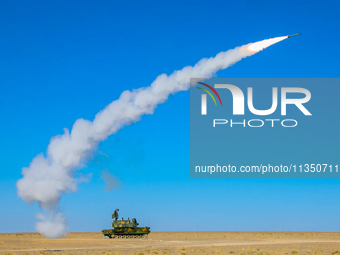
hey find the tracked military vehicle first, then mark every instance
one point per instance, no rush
(125, 228)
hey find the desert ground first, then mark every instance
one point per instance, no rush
(175, 243)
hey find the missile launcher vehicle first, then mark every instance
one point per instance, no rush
(125, 228)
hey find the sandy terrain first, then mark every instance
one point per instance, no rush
(176, 243)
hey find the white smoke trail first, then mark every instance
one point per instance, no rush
(48, 178)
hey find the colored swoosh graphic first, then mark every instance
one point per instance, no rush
(212, 90)
(209, 94)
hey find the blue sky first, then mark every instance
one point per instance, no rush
(65, 60)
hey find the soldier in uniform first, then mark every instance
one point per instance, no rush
(115, 214)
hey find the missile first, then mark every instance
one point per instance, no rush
(294, 35)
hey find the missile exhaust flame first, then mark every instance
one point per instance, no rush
(49, 177)
(258, 46)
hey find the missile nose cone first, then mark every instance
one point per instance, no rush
(294, 35)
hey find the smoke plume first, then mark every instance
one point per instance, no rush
(51, 225)
(111, 183)
(48, 177)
